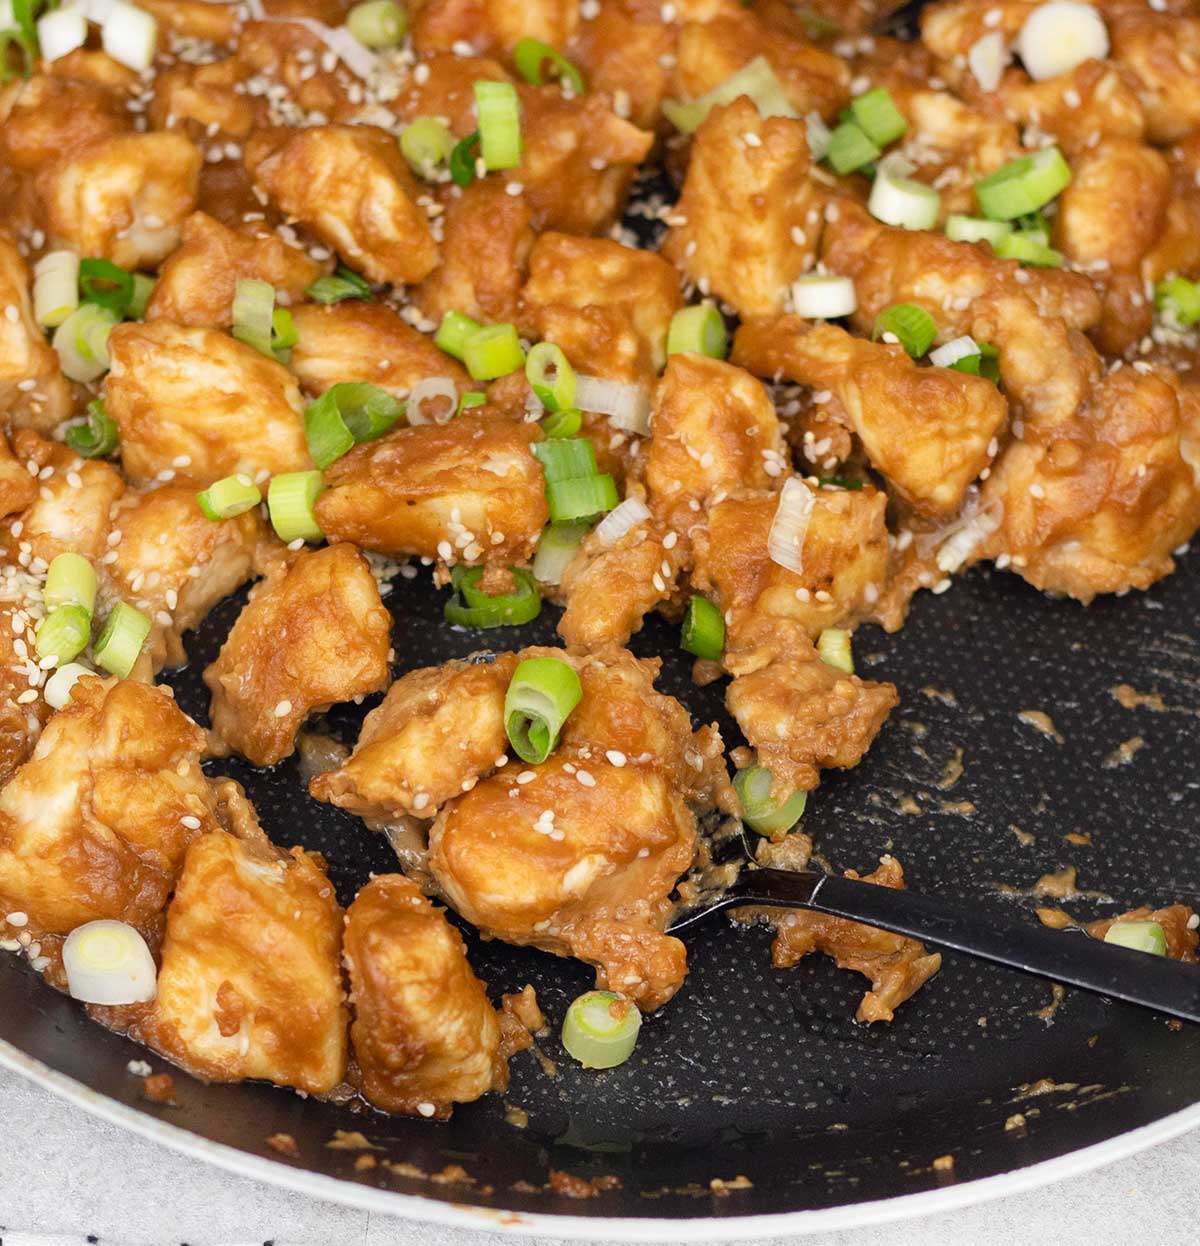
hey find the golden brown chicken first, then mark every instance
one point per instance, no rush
(492, 25)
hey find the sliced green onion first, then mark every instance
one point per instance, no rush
(550, 376)
(570, 458)
(572, 501)
(1028, 250)
(70, 581)
(106, 284)
(756, 79)
(499, 112)
(97, 438)
(961, 228)
(120, 643)
(1034, 225)
(823, 296)
(377, 23)
(143, 288)
(462, 159)
(427, 143)
(898, 200)
(346, 415)
(290, 499)
(851, 483)
(63, 634)
(454, 332)
(556, 551)
(563, 423)
(849, 148)
(471, 608)
(760, 812)
(55, 288)
(703, 630)
(235, 495)
(833, 645)
(1023, 185)
(700, 330)
(540, 697)
(494, 350)
(283, 334)
(910, 324)
(340, 285)
(1179, 297)
(81, 342)
(537, 61)
(878, 117)
(253, 307)
(600, 1029)
(1141, 936)
(471, 398)
(107, 962)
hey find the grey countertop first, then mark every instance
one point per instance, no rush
(62, 1171)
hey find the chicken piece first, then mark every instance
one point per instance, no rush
(21, 722)
(198, 281)
(625, 51)
(204, 100)
(123, 198)
(47, 118)
(636, 291)
(352, 188)
(174, 564)
(467, 491)
(714, 432)
(890, 265)
(25, 355)
(1177, 249)
(579, 159)
(442, 85)
(930, 431)
(750, 213)
(492, 25)
(293, 56)
(897, 966)
(201, 405)
(844, 560)
(610, 588)
(96, 823)
(310, 636)
(438, 730)
(359, 341)
(250, 983)
(710, 52)
(1162, 50)
(485, 248)
(214, 21)
(579, 858)
(424, 1033)
(1174, 919)
(951, 28)
(18, 487)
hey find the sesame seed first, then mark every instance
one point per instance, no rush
(24, 698)
(426, 1109)
(283, 708)
(17, 919)
(615, 757)
(585, 778)
(190, 821)
(420, 800)
(526, 776)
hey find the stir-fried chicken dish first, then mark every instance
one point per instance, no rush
(299, 295)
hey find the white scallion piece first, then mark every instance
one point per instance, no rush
(1059, 36)
(954, 350)
(108, 962)
(55, 286)
(822, 296)
(897, 200)
(61, 32)
(130, 35)
(621, 519)
(988, 58)
(789, 528)
(818, 134)
(430, 390)
(627, 405)
(58, 687)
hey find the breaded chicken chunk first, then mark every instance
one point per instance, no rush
(201, 405)
(310, 636)
(1162, 50)
(424, 1034)
(467, 491)
(492, 25)
(627, 50)
(48, 117)
(250, 983)
(21, 721)
(205, 101)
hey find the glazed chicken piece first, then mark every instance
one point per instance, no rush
(201, 405)
(250, 983)
(195, 19)
(930, 431)
(438, 730)
(293, 56)
(424, 1034)
(951, 28)
(606, 305)
(21, 722)
(1177, 249)
(206, 103)
(492, 25)
(96, 823)
(310, 636)
(197, 282)
(359, 341)
(48, 117)
(626, 51)
(1162, 50)
(124, 198)
(441, 85)
(352, 188)
(18, 487)
(578, 856)
(750, 215)
(467, 491)
(172, 563)
(33, 391)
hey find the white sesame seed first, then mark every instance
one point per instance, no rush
(426, 1109)
(526, 776)
(585, 778)
(616, 757)
(190, 821)
(17, 919)
(283, 708)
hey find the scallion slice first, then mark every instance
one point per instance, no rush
(346, 415)
(125, 631)
(55, 288)
(338, 286)
(703, 632)
(910, 324)
(454, 332)
(377, 23)
(1179, 298)
(537, 61)
(81, 342)
(540, 697)
(556, 551)
(1141, 936)
(253, 307)
(290, 499)
(143, 288)
(70, 581)
(97, 438)
(550, 376)
(833, 645)
(227, 498)
(849, 148)
(1028, 250)
(1023, 185)
(469, 607)
(283, 334)
(961, 228)
(760, 811)
(878, 117)
(600, 1029)
(462, 159)
(63, 634)
(499, 113)
(756, 80)
(477, 398)
(898, 200)
(573, 501)
(823, 296)
(494, 350)
(107, 962)
(427, 144)
(570, 458)
(700, 330)
(558, 424)
(106, 284)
